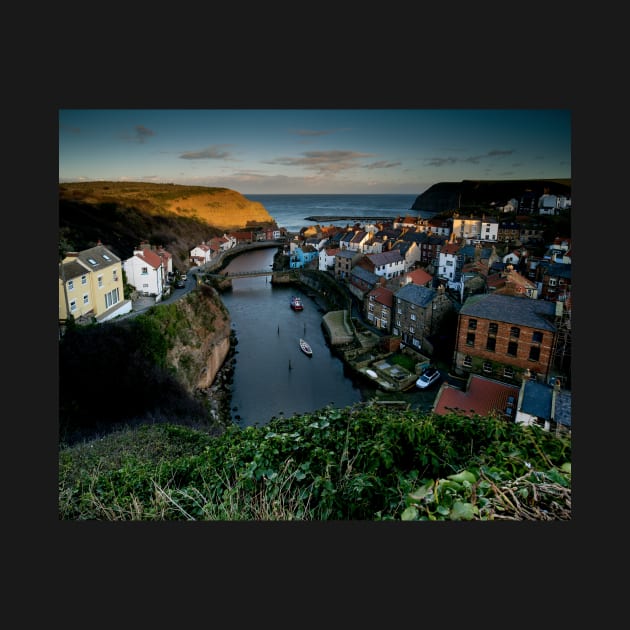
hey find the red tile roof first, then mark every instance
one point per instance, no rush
(482, 396)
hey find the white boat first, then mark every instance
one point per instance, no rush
(306, 348)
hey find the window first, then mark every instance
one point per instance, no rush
(552, 282)
(515, 332)
(99, 280)
(144, 271)
(467, 361)
(106, 257)
(371, 308)
(83, 279)
(470, 339)
(70, 285)
(537, 336)
(73, 306)
(112, 298)
(413, 317)
(508, 372)
(491, 343)
(534, 353)
(86, 299)
(493, 328)
(412, 329)
(512, 348)
(472, 324)
(487, 367)
(383, 323)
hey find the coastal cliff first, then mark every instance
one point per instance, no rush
(478, 194)
(121, 215)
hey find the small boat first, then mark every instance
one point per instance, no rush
(306, 348)
(296, 303)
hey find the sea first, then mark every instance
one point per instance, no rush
(290, 211)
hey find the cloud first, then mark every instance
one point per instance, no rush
(473, 159)
(382, 164)
(311, 133)
(325, 162)
(211, 153)
(141, 133)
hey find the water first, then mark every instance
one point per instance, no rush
(290, 211)
(272, 376)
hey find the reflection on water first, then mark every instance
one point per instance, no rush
(272, 376)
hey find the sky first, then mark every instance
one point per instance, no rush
(302, 151)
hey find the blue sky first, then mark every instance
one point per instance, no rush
(258, 151)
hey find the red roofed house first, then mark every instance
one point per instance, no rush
(419, 277)
(145, 272)
(482, 397)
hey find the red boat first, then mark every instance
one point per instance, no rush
(296, 303)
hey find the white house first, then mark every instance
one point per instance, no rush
(327, 258)
(145, 272)
(200, 254)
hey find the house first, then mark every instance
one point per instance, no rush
(482, 396)
(200, 254)
(167, 261)
(545, 405)
(361, 281)
(91, 286)
(409, 251)
(345, 259)
(511, 282)
(327, 258)
(378, 307)
(450, 262)
(502, 336)
(418, 312)
(417, 276)
(555, 281)
(301, 257)
(388, 264)
(145, 272)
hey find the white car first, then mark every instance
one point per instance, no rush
(428, 377)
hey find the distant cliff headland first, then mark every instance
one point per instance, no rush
(470, 195)
(122, 214)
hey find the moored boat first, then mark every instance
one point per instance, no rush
(306, 348)
(296, 303)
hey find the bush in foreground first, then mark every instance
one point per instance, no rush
(358, 463)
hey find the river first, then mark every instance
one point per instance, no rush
(272, 376)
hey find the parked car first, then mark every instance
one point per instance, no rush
(428, 377)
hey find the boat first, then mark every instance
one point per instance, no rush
(296, 303)
(306, 348)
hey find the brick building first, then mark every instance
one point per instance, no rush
(502, 336)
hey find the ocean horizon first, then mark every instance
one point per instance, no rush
(290, 210)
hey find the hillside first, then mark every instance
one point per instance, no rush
(479, 194)
(122, 214)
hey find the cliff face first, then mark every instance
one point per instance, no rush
(479, 194)
(122, 215)
(202, 341)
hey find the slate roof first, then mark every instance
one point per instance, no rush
(522, 311)
(415, 294)
(537, 400)
(365, 275)
(385, 258)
